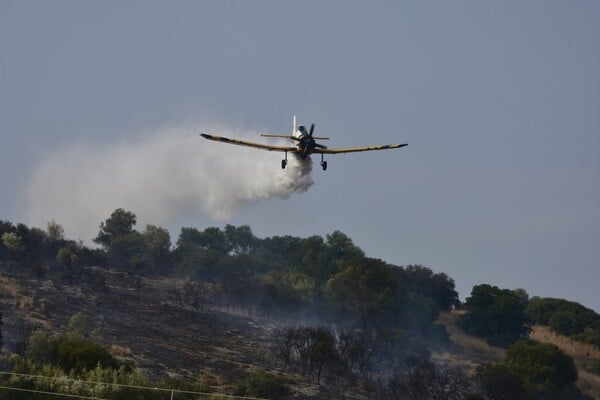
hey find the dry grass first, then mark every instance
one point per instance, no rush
(582, 354)
(589, 383)
(466, 350)
(469, 352)
(7, 289)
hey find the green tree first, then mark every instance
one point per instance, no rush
(425, 283)
(78, 326)
(295, 284)
(522, 295)
(119, 224)
(565, 317)
(497, 315)
(341, 247)
(314, 261)
(157, 248)
(211, 238)
(43, 348)
(13, 244)
(367, 290)
(240, 239)
(282, 251)
(566, 323)
(546, 371)
(55, 232)
(66, 256)
(127, 251)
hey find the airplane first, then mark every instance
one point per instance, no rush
(305, 144)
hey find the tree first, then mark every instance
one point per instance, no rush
(296, 284)
(565, 317)
(497, 315)
(314, 260)
(43, 348)
(566, 323)
(421, 379)
(341, 247)
(66, 256)
(157, 247)
(119, 224)
(78, 326)
(211, 238)
(358, 348)
(240, 240)
(522, 295)
(55, 232)
(546, 371)
(282, 251)
(315, 350)
(13, 244)
(126, 251)
(368, 290)
(438, 287)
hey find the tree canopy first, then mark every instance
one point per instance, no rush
(495, 314)
(545, 370)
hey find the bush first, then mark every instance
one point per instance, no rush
(264, 384)
(543, 367)
(71, 353)
(78, 355)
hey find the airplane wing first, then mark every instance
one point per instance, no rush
(248, 144)
(357, 149)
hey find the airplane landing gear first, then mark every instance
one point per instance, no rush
(323, 163)
(283, 164)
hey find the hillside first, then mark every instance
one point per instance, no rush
(471, 352)
(217, 346)
(147, 324)
(227, 313)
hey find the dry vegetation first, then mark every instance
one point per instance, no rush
(467, 350)
(149, 323)
(583, 355)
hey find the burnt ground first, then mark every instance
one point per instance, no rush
(144, 320)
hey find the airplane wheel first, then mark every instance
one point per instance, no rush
(283, 164)
(324, 165)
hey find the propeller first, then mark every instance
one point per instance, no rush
(310, 143)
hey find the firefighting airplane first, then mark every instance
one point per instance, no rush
(305, 144)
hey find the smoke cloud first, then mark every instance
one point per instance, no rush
(167, 174)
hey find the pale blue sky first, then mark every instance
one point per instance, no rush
(499, 102)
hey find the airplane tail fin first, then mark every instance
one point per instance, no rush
(294, 126)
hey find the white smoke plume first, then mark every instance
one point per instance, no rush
(159, 177)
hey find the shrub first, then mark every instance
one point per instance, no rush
(543, 367)
(78, 355)
(264, 384)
